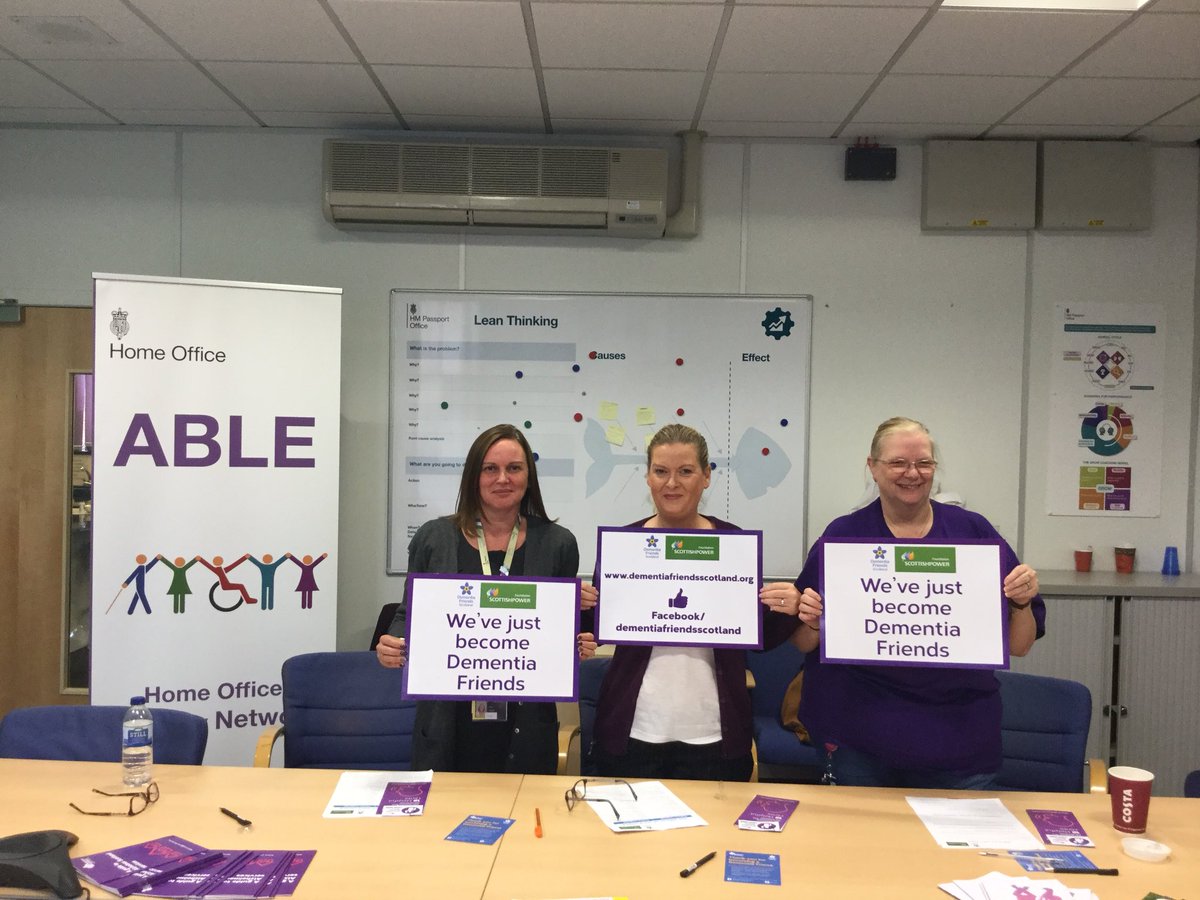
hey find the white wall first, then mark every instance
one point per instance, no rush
(950, 329)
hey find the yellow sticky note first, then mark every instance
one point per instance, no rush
(645, 415)
(608, 410)
(615, 434)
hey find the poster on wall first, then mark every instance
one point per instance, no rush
(1106, 411)
(215, 524)
(590, 378)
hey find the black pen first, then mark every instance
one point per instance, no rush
(1078, 870)
(684, 873)
(245, 823)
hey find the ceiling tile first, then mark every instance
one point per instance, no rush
(260, 30)
(492, 124)
(608, 36)
(1059, 131)
(1170, 134)
(67, 29)
(634, 94)
(820, 39)
(447, 91)
(1105, 101)
(951, 99)
(616, 127)
(40, 115)
(1188, 114)
(1163, 46)
(735, 96)
(329, 120)
(310, 87)
(22, 86)
(139, 84)
(195, 118)
(721, 128)
(994, 42)
(885, 132)
(437, 32)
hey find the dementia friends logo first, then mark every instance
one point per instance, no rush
(879, 559)
(466, 595)
(926, 559)
(652, 550)
(693, 546)
(120, 323)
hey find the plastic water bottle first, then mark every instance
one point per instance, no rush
(137, 743)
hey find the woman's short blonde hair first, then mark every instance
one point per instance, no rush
(676, 433)
(895, 425)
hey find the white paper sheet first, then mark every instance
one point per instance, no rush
(362, 794)
(655, 809)
(980, 824)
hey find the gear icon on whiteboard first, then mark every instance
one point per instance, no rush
(778, 323)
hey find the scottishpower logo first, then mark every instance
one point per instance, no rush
(693, 546)
(925, 559)
(495, 595)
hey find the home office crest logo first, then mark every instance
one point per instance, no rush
(120, 323)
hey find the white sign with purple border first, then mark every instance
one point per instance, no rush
(911, 603)
(681, 587)
(483, 638)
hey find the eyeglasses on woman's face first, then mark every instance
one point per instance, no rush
(901, 466)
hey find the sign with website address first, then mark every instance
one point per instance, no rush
(679, 588)
(481, 638)
(913, 604)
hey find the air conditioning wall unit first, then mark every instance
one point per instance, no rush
(616, 191)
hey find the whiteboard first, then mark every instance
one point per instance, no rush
(589, 379)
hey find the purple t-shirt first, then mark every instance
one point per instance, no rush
(911, 717)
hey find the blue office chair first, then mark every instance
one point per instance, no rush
(342, 711)
(779, 754)
(1044, 732)
(1191, 784)
(591, 674)
(93, 734)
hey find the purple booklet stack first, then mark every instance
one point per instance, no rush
(172, 867)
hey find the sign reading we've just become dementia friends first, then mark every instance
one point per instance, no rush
(681, 588)
(491, 639)
(913, 604)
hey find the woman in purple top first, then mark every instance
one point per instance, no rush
(682, 712)
(910, 726)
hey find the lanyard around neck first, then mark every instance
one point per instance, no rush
(484, 561)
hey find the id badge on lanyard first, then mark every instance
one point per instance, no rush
(493, 710)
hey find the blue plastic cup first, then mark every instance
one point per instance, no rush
(1171, 561)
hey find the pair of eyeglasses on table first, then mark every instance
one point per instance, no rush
(578, 791)
(139, 801)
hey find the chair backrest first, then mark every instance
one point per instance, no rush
(383, 623)
(93, 734)
(773, 671)
(344, 711)
(1191, 784)
(591, 674)
(1044, 731)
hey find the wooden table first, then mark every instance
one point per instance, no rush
(841, 842)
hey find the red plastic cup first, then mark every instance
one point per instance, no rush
(1083, 560)
(1129, 790)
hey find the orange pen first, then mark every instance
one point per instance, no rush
(537, 828)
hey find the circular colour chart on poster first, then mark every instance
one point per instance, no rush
(1107, 429)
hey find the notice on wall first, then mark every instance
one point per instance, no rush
(589, 379)
(1106, 411)
(475, 637)
(913, 604)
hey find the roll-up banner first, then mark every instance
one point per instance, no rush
(215, 495)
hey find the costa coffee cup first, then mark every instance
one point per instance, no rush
(1129, 791)
(1123, 555)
